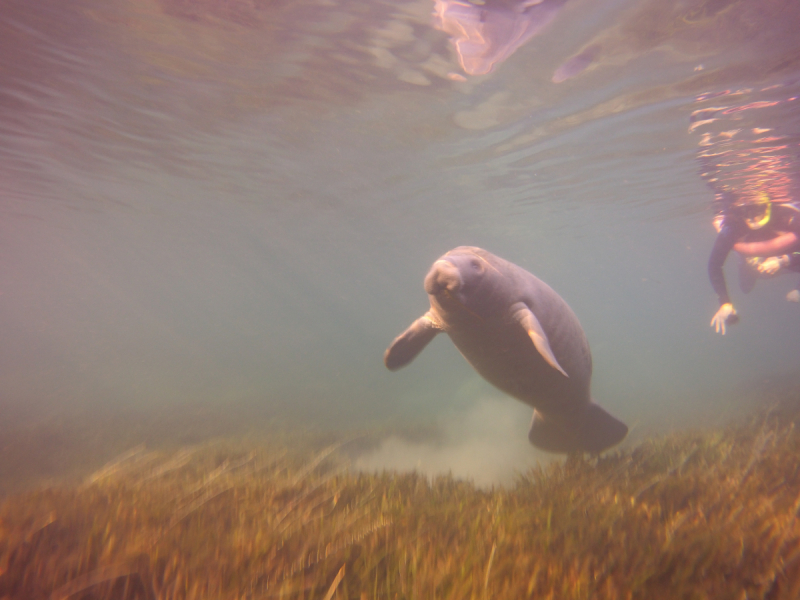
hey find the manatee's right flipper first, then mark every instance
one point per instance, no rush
(525, 317)
(748, 273)
(593, 430)
(408, 344)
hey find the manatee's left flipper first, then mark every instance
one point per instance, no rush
(408, 344)
(525, 317)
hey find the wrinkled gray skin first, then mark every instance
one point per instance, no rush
(521, 337)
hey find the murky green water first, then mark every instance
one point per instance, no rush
(230, 207)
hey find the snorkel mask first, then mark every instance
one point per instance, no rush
(757, 214)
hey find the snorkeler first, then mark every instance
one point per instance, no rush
(767, 234)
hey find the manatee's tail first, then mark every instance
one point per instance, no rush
(593, 430)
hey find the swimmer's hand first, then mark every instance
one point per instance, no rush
(793, 296)
(773, 264)
(726, 315)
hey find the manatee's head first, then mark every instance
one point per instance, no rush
(464, 277)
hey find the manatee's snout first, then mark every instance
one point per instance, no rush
(443, 276)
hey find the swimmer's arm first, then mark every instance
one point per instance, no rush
(722, 247)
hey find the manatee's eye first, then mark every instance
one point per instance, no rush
(476, 265)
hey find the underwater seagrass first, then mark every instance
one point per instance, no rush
(691, 515)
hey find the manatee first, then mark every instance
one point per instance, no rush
(520, 336)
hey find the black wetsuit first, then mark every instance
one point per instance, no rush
(785, 218)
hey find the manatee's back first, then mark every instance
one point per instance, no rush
(567, 338)
(567, 420)
(503, 353)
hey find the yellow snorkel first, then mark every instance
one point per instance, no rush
(757, 214)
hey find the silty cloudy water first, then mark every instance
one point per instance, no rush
(228, 208)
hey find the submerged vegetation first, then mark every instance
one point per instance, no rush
(691, 515)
